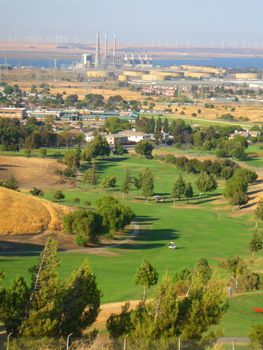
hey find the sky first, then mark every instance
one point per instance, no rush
(149, 22)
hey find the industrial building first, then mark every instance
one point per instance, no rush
(13, 113)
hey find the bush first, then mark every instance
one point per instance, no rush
(85, 225)
(37, 192)
(115, 216)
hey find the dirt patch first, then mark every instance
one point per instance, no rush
(32, 172)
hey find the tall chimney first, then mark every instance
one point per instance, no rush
(97, 56)
(106, 47)
(114, 46)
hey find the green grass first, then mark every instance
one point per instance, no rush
(240, 316)
(196, 229)
(255, 156)
(51, 152)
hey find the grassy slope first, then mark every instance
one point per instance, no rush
(197, 231)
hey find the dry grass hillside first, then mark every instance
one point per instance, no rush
(31, 172)
(22, 214)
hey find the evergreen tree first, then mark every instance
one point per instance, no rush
(42, 314)
(80, 301)
(188, 191)
(165, 125)
(158, 130)
(256, 243)
(147, 183)
(178, 189)
(90, 176)
(14, 304)
(126, 184)
(206, 183)
(146, 276)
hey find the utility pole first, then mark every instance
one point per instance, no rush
(179, 343)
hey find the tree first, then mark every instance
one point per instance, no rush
(158, 323)
(144, 148)
(108, 182)
(14, 304)
(237, 267)
(188, 191)
(115, 216)
(165, 125)
(58, 196)
(119, 150)
(80, 301)
(76, 200)
(239, 198)
(85, 225)
(206, 183)
(37, 192)
(178, 189)
(256, 243)
(11, 183)
(256, 336)
(158, 130)
(146, 276)
(259, 210)
(42, 309)
(90, 176)
(147, 183)
(115, 125)
(119, 325)
(126, 184)
(72, 159)
(99, 147)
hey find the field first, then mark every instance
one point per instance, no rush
(205, 228)
(31, 172)
(27, 215)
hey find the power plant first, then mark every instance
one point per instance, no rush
(110, 58)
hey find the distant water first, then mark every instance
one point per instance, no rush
(36, 62)
(224, 62)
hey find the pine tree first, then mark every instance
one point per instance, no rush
(147, 182)
(206, 183)
(256, 243)
(43, 307)
(14, 304)
(126, 184)
(80, 301)
(188, 191)
(90, 176)
(165, 125)
(178, 188)
(146, 276)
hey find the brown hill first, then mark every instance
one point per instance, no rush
(22, 214)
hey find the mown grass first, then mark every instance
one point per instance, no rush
(197, 230)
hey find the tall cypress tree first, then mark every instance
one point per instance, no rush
(80, 301)
(43, 306)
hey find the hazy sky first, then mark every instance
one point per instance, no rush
(142, 21)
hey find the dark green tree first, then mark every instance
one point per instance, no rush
(80, 301)
(144, 148)
(256, 243)
(189, 193)
(58, 196)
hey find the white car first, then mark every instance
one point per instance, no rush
(171, 245)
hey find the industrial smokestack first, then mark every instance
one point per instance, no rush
(97, 56)
(114, 45)
(106, 47)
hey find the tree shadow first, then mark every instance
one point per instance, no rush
(11, 248)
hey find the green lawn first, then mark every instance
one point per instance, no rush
(240, 316)
(196, 229)
(255, 156)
